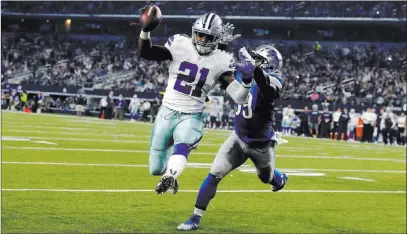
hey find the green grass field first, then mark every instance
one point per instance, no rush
(69, 174)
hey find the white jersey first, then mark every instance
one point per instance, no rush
(336, 116)
(401, 121)
(134, 104)
(192, 76)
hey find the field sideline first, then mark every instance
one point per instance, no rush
(69, 174)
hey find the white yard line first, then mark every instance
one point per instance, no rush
(356, 178)
(345, 157)
(193, 165)
(94, 134)
(218, 131)
(90, 140)
(199, 165)
(289, 148)
(193, 191)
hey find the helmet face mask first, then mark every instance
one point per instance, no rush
(206, 33)
(267, 57)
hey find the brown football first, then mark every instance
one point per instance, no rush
(150, 18)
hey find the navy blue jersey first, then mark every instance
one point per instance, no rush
(344, 118)
(278, 116)
(253, 121)
(314, 117)
(326, 117)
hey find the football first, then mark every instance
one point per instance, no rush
(150, 18)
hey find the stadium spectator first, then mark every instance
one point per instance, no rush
(103, 107)
(278, 118)
(134, 108)
(225, 114)
(325, 121)
(214, 113)
(119, 108)
(305, 122)
(80, 103)
(335, 119)
(110, 106)
(343, 125)
(379, 135)
(260, 8)
(34, 102)
(146, 108)
(369, 121)
(314, 120)
(388, 125)
(40, 102)
(401, 127)
(23, 99)
(354, 119)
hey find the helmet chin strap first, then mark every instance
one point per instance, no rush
(202, 53)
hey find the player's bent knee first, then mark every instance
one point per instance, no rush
(157, 162)
(156, 171)
(265, 174)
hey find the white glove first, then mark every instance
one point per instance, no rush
(228, 36)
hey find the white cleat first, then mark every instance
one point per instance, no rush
(278, 139)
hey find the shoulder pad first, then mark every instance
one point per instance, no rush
(176, 37)
(183, 35)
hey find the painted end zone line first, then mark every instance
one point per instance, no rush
(195, 191)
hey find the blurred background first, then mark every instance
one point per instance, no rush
(336, 54)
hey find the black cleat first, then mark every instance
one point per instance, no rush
(165, 183)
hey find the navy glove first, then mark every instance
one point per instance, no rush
(246, 66)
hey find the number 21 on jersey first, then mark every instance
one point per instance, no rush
(185, 88)
(246, 109)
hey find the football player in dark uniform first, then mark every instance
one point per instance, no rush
(253, 136)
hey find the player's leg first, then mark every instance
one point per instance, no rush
(264, 159)
(345, 131)
(161, 140)
(186, 134)
(229, 157)
(340, 131)
(385, 134)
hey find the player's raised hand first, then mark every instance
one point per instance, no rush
(150, 17)
(244, 56)
(246, 67)
(228, 36)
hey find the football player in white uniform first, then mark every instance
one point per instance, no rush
(134, 107)
(196, 66)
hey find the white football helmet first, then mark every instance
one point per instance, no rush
(267, 57)
(206, 32)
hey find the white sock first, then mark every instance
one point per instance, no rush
(176, 165)
(198, 212)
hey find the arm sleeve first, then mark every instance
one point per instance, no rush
(153, 52)
(269, 91)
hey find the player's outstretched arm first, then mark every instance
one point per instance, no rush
(270, 85)
(238, 92)
(152, 52)
(150, 18)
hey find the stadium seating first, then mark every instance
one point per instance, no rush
(382, 9)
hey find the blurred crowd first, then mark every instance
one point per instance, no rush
(58, 60)
(353, 74)
(385, 9)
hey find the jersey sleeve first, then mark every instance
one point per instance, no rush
(226, 64)
(176, 45)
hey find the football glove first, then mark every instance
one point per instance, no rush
(228, 36)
